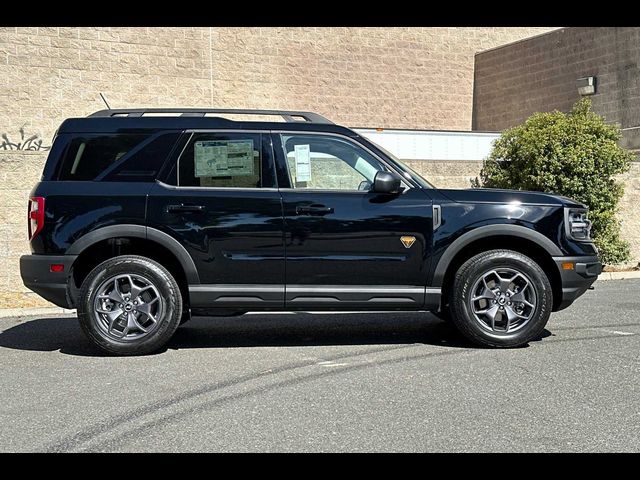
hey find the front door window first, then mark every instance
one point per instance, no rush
(320, 162)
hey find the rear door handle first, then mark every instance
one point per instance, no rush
(185, 208)
(314, 210)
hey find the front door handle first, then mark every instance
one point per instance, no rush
(313, 210)
(185, 208)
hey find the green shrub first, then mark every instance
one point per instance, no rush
(575, 155)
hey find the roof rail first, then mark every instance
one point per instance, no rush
(288, 116)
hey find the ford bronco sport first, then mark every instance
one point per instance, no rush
(144, 217)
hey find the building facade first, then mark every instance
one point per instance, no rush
(541, 74)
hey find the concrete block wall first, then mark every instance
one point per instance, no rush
(362, 77)
(378, 77)
(19, 172)
(539, 74)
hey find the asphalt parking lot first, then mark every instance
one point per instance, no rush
(330, 382)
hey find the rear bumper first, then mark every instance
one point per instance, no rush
(37, 276)
(576, 281)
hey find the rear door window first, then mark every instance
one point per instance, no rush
(227, 160)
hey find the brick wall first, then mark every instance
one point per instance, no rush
(539, 74)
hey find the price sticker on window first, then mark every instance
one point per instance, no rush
(302, 155)
(223, 158)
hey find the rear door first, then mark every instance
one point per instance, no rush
(221, 202)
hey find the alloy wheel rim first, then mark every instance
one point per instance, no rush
(128, 307)
(503, 300)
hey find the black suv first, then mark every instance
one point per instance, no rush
(146, 217)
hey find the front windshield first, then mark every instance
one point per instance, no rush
(409, 172)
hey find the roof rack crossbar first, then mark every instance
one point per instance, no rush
(288, 116)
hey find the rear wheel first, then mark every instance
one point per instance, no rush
(129, 305)
(500, 298)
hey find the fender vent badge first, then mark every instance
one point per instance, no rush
(407, 240)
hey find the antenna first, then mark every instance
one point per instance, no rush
(104, 100)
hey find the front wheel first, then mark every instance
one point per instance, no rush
(129, 305)
(501, 298)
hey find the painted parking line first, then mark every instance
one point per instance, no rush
(616, 332)
(331, 364)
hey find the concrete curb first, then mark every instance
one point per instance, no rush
(619, 275)
(27, 312)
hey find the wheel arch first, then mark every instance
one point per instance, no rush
(107, 242)
(490, 237)
(142, 232)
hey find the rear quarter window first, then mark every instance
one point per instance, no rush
(116, 157)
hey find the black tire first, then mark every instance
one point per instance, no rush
(472, 271)
(166, 289)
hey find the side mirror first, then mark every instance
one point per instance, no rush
(386, 182)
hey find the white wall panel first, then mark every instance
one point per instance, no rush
(432, 145)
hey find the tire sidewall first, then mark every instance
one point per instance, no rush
(167, 288)
(466, 278)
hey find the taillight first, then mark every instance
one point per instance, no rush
(35, 216)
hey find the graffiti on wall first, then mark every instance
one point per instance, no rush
(33, 143)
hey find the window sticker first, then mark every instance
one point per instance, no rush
(223, 158)
(302, 155)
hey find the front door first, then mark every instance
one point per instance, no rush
(221, 202)
(347, 247)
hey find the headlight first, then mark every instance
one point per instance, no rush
(577, 225)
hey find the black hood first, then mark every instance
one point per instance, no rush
(496, 195)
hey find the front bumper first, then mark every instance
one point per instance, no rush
(37, 276)
(576, 281)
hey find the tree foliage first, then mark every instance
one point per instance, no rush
(576, 155)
